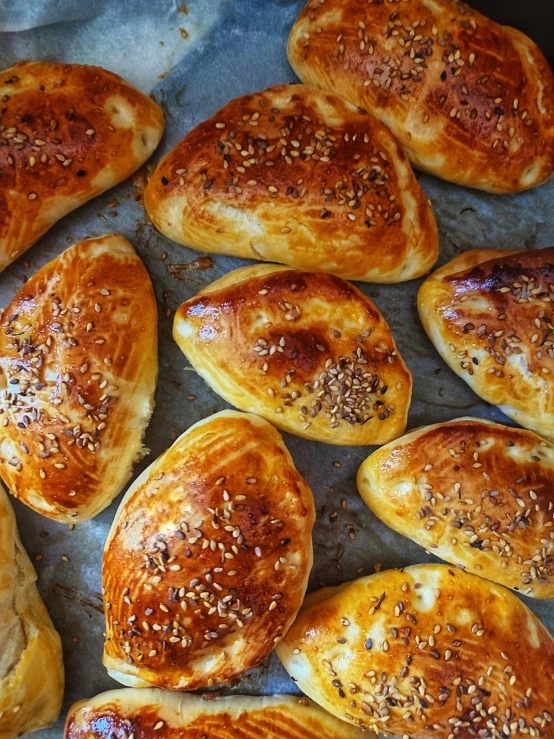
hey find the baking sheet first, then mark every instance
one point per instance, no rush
(195, 58)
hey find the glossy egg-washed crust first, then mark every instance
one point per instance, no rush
(469, 100)
(208, 558)
(307, 351)
(152, 713)
(489, 314)
(31, 665)
(429, 652)
(475, 493)
(299, 176)
(78, 369)
(68, 132)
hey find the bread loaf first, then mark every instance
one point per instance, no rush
(489, 315)
(428, 652)
(208, 558)
(68, 132)
(31, 665)
(151, 713)
(78, 369)
(470, 101)
(476, 493)
(305, 350)
(298, 176)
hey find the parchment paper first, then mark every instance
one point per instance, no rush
(194, 59)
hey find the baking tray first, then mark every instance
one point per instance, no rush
(194, 59)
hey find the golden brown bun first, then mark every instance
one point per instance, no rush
(180, 716)
(299, 176)
(31, 665)
(208, 558)
(430, 652)
(68, 132)
(78, 369)
(307, 351)
(489, 315)
(476, 493)
(469, 100)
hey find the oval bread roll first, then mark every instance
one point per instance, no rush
(68, 132)
(31, 665)
(489, 315)
(469, 100)
(307, 351)
(429, 652)
(78, 369)
(475, 493)
(151, 713)
(208, 558)
(295, 175)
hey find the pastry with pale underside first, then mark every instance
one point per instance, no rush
(476, 493)
(427, 652)
(208, 558)
(299, 176)
(489, 314)
(470, 101)
(31, 664)
(151, 713)
(305, 350)
(78, 370)
(68, 132)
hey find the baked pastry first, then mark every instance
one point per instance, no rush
(68, 132)
(307, 351)
(295, 175)
(476, 493)
(208, 558)
(469, 100)
(429, 652)
(31, 665)
(145, 713)
(489, 314)
(78, 369)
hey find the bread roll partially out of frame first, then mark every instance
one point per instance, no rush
(476, 493)
(489, 314)
(151, 713)
(429, 652)
(68, 132)
(78, 369)
(31, 665)
(469, 100)
(208, 558)
(307, 351)
(299, 176)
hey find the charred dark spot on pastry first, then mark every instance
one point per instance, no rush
(165, 181)
(80, 173)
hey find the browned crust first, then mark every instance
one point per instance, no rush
(222, 512)
(478, 494)
(491, 319)
(307, 351)
(30, 646)
(468, 99)
(295, 175)
(67, 133)
(78, 366)
(180, 716)
(426, 652)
